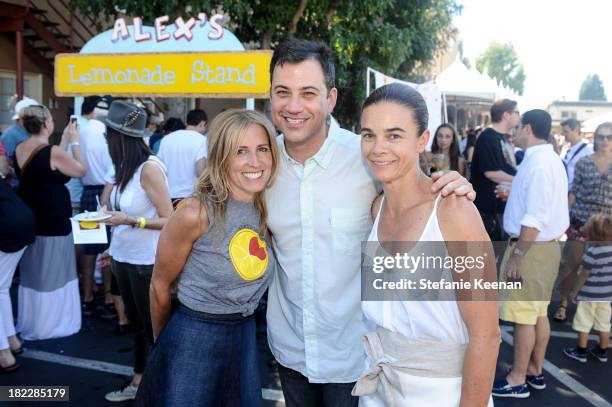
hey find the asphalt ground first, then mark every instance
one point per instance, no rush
(95, 361)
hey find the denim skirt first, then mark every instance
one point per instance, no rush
(203, 360)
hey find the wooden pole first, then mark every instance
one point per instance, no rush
(19, 64)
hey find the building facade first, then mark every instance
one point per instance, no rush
(579, 110)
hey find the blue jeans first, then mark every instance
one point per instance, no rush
(203, 360)
(299, 392)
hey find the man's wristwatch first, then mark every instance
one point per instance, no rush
(518, 252)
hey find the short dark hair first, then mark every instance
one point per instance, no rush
(89, 104)
(196, 116)
(572, 124)
(293, 51)
(405, 96)
(173, 124)
(540, 122)
(500, 107)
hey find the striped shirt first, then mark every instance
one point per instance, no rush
(598, 286)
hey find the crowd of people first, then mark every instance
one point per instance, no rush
(208, 219)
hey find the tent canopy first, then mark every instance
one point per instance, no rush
(458, 80)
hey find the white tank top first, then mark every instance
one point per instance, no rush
(425, 320)
(131, 244)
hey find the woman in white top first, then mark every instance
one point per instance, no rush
(140, 207)
(435, 353)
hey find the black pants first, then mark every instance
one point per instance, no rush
(134, 281)
(298, 392)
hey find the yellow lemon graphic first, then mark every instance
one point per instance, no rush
(249, 254)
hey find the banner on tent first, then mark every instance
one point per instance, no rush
(214, 74)
(429, 91)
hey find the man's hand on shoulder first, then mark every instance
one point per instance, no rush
(452, 183)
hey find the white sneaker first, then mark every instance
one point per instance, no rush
(127, 393)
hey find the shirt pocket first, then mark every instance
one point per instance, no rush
(349, 227)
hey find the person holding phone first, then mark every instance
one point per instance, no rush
(48, 286)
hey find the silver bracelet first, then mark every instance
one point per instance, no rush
(76, 143)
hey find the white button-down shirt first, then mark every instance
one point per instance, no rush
(319, 213)
(573, 154)
(538, 198)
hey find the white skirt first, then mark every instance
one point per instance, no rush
(46, 315)
(48, 297)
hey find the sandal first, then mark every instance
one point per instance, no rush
(17, 351)
(560, 314)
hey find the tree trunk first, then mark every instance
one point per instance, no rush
(266, 40)
(296, 16)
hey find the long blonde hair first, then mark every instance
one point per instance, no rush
(224, 135)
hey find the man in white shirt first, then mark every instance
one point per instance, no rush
(98, 162)
(536, 215)
(184, 153)
(318, 213)
(570, 129)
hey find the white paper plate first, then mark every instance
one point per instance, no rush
(91, 217)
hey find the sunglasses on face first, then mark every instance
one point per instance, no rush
(607, 137)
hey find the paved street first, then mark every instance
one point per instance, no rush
(95, 361)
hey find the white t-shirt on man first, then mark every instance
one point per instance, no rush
(179, 151)
(95, 152)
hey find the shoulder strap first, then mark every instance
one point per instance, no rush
(158, 163)
(31, 157)
(583, 145)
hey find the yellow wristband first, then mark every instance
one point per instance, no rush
(142, 222)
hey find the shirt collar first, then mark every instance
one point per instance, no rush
(539, 147)
(324, 155)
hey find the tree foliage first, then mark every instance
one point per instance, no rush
(592, 89)
(501, 62)
(392, 36)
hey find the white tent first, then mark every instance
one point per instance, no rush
(589, 126)
(458, 80)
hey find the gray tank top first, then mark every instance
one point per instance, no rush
(229, 268)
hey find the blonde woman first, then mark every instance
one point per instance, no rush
(216, 245)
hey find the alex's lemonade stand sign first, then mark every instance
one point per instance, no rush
(197, 57)
(221, 74)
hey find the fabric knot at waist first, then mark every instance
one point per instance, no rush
(392, 354)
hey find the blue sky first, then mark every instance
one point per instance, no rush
(559, 42)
